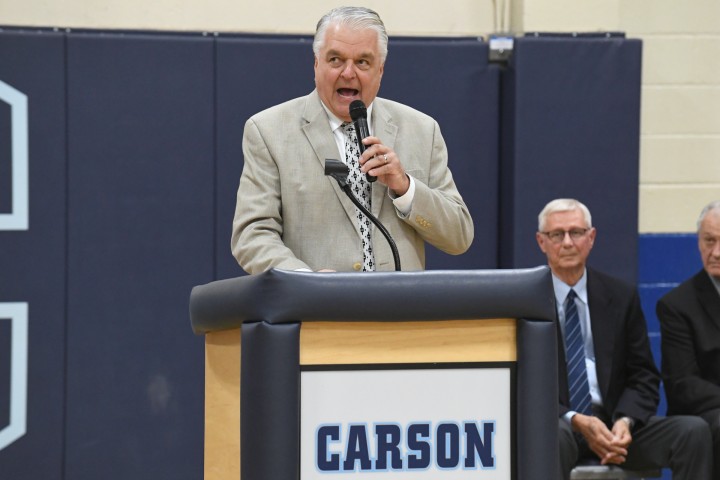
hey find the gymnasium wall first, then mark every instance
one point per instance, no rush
(133, 157)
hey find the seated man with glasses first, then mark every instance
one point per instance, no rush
(608, 381)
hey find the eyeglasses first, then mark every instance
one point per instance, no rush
(557, 236)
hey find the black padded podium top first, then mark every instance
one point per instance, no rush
(281, 296)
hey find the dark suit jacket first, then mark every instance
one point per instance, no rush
(690, 323)
(627, 376)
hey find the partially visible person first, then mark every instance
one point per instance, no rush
(289, 215)
(608, 382)
(690, 325)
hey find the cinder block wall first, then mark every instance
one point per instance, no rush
(680, 152)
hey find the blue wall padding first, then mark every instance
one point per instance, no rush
(665, 261)
(32, 263)
(668, 257)
(571, 128)
(461, 92)
(649, 295)
(140, 235)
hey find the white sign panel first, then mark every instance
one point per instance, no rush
(383, 424)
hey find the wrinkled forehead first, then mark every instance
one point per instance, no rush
(711, 223)
(342, 36)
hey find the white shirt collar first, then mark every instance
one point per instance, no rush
(335, 122)
(562, 289)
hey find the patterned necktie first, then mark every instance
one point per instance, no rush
(361, 189)
(575, 356)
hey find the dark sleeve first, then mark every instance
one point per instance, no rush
(640, 395)
(687, 392)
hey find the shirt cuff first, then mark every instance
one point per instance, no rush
(629, 421)
(403, 204)
(568, 416)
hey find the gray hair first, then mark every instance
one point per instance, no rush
(563, 205)
(708, 208)
(358, 18)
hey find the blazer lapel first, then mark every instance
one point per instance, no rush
(386, 131)
(603, 322)
(317, 131)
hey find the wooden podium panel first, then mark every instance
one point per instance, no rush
(222, 405)
(343, 343)
(347, 343)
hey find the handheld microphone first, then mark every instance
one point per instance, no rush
(358, 113)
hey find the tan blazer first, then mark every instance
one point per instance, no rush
(289, 215)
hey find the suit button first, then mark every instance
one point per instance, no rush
(357, 266)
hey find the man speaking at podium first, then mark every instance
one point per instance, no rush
(289, 215)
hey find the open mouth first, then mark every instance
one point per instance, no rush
(347, 92)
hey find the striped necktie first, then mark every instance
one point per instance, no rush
(361, 188)
(575, 356)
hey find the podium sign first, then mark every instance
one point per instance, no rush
(408, 421)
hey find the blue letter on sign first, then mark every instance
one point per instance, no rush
(324, 436)
(357, 449)
(419, 441)
(388, 441)
(478, 447)
(447, 448)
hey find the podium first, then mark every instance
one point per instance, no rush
(432, 374)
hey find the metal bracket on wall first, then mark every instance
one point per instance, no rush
(501, 47)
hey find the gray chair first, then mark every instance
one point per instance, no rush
(611, 472)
